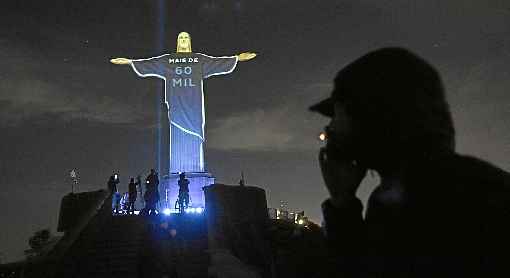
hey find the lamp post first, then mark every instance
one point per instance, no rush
(74, 177)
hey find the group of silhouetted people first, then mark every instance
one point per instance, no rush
(435, 213)
(126, 203)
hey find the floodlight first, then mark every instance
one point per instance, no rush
(166, 211)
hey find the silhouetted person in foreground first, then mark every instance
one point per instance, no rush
(151, 195)
(435, 212)
(183, 198)
(132, 194)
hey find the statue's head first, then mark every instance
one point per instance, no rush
(183, 42)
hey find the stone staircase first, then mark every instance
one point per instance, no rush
(195, 259)
(184, 255)
(120, 246)
(108, 247)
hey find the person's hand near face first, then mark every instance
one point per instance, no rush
(342, 174)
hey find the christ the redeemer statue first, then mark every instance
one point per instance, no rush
(183, 73)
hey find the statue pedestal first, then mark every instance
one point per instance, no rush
(169, 189)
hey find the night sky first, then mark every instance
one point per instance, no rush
(64, 106)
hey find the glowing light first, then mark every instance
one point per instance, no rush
(194, 210)
(301, 222)
(322, 136)
(166, 211)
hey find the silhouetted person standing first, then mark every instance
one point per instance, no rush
(151, 195)
(112, 183)
(131, 196)
(139, 186)
(112, 188)
(116, 198)
(183, 192)
(435, 212)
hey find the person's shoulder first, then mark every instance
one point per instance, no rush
(472, 168)
(453, 173)
(469, 176)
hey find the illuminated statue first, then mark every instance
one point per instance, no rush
(183, 73)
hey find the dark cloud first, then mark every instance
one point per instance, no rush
(284, 126)
(28, 91)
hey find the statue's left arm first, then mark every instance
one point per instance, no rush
(223, 65)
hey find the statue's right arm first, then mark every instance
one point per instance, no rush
(121, 61)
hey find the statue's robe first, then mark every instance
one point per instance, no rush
(184, 96)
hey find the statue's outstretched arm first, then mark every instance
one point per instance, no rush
(245, 56)
(120, 61)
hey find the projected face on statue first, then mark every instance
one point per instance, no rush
(183, 73)
(183, 43)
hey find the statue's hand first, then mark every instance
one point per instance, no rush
(120, 61)
(245, 56)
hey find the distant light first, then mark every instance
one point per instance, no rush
(146, 181)
(322, 136)
(192, 210)
(166, 211)
(187, 210)
(200, 210)
(301, 222)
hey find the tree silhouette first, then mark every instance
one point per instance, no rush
(37, 242)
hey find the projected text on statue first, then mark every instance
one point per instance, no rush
(183, 75)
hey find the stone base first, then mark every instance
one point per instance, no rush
(169, 189)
